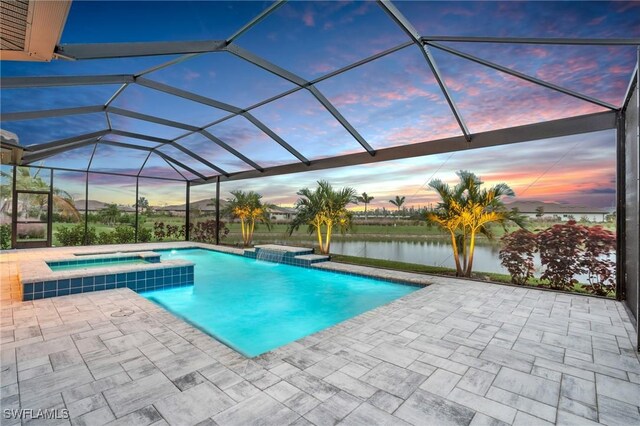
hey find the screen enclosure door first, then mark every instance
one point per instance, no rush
(32, 219)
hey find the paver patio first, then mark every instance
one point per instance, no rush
(456, 352)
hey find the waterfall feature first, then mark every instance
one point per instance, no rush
(298, 256)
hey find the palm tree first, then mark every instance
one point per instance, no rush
(467, 209)
(398, 202)
(110, 214)
(249, 208)
(322, 210)
(366, 199)
(143, 205)
(62, 200)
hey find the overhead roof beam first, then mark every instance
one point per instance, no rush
(174, 168)
(53, 81)
(260, 125)
(413, 34)
(49, 113)
(144, 163)
(184, 166)
(67, 141)
(42, 154)
(171, 143)
(139, 136)
(363, 61)
(529, 40)
(223, 106)
(318, 80)
(128, 50)
(151, 119)
(545, 130)
(632, 84)
(230, 149)
(299, 81)
(237, 34)
(124, 145)
(116, 94)
(268, 11)
(523, 76)
(200, 159)
(161, 87)
(113, 110)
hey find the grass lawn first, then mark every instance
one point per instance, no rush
(436, 270)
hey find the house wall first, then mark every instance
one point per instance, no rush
(632, 248)
(591, 217)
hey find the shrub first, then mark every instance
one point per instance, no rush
(174, 231)
(159, 231)
(517, 255)
(144, 235)
(70, 235)
(124, 234)
(596, 261)
(105, 238)
(560, 254)
(162, 231)
(75, 235)
(566, 250)
(205, 231)
(5, 236)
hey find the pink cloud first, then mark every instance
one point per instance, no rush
(321, 68)
(457, 11)
(538, 52)
(190, 75)
(308, 18)
(598, 20)
(619, 69)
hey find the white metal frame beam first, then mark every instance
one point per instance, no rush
(538, 40)
(301, 82)
(413, 34)
(128, 50)
(549, 129)
(522, 76)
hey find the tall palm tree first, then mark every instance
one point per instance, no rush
(465, 210)
(398, 202)
(249, 208)
(365, 199)
(322, 210)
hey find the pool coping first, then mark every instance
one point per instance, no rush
(39, 271)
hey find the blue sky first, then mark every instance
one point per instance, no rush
(391, 101)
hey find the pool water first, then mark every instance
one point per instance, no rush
(256, 306)
(98, 264)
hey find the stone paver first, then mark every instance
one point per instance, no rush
(453, 353)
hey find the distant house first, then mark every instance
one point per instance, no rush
(95, 206)
(282, 213)
(557, 211)
(202, 207)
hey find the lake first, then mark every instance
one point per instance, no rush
(436, 252)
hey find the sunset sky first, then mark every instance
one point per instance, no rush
(391, 101)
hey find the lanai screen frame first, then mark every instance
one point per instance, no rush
(611, 119)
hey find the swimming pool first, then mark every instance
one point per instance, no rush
(256, 306)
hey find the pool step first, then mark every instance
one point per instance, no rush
(299, 256)
(313, 258)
